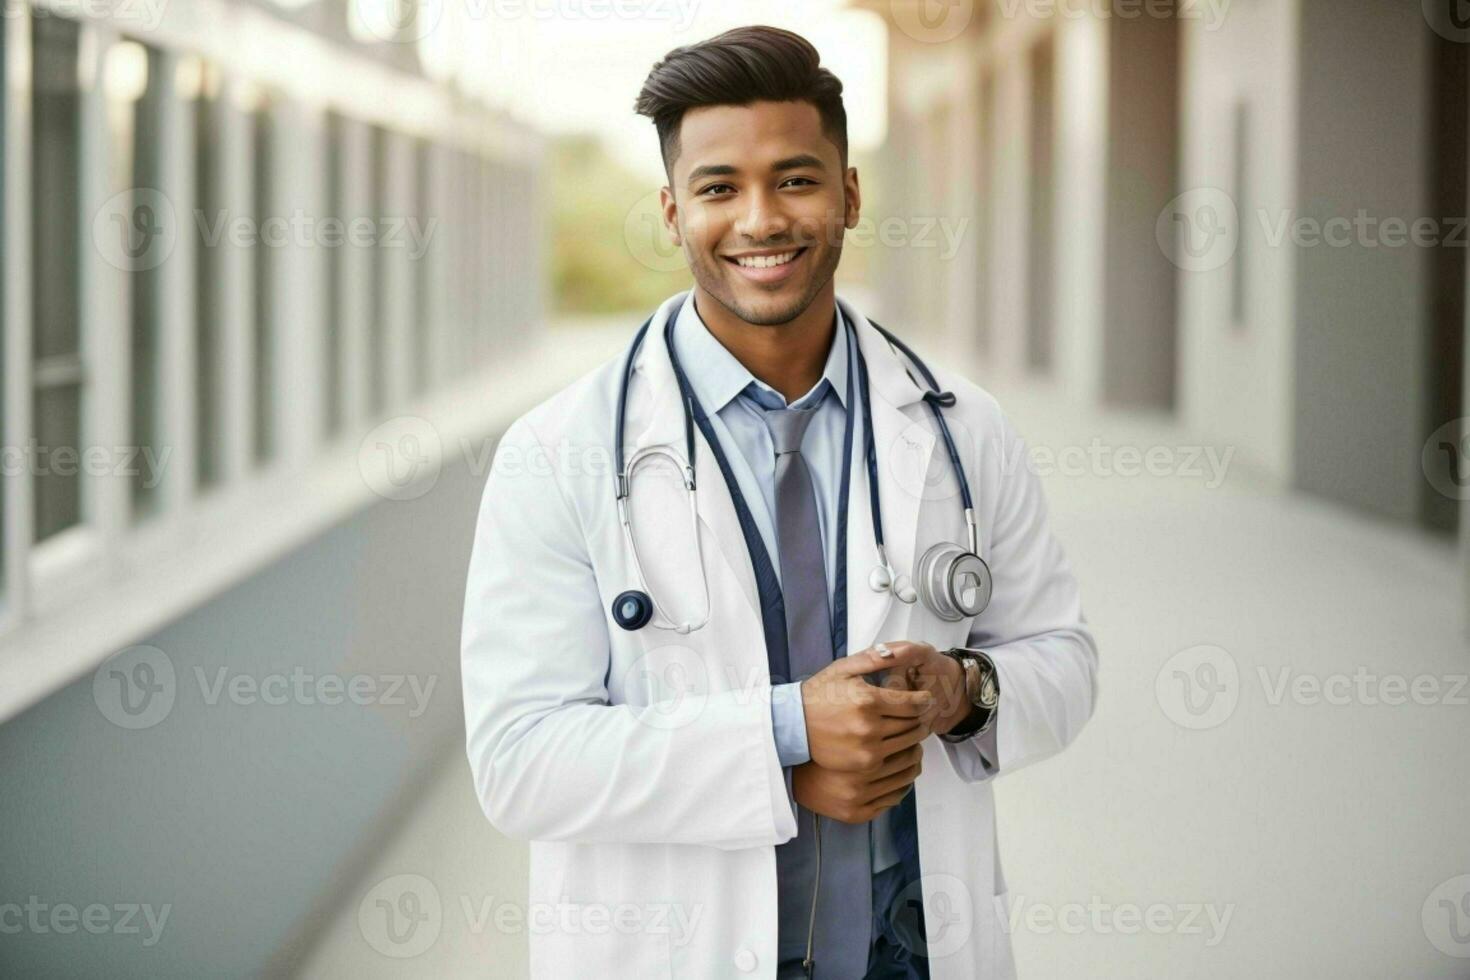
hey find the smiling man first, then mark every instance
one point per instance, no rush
(761, 680)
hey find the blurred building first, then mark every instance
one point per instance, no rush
(1248, 214)
(239, 241)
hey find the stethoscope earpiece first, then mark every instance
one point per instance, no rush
(882, 579)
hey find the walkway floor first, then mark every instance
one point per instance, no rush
(1248, 801)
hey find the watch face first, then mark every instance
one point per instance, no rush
(984, 691)
(974, 681)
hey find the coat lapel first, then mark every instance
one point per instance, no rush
(903, 448)
(658, 419)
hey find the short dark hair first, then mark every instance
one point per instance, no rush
(738, 67)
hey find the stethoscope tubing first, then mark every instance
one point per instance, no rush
(935, 398)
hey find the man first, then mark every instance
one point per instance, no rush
(765, 759)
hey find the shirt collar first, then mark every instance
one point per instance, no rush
(717, 377)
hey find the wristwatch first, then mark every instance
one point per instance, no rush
(982, 690)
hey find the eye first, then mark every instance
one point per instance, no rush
(806, 180)
(712, 187)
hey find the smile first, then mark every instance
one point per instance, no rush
(766, 268)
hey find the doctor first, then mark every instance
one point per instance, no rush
(747, 689)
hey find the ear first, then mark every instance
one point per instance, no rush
(853, 198)
(669, 211)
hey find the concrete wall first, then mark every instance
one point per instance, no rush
(1139, 331)
(981, 89)
(1236, 372)
(245, 817)
(1361, 352)
(1081, 205)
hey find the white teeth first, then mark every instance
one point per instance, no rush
(765, 261)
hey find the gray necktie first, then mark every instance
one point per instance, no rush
(799, 540)
(843, 921)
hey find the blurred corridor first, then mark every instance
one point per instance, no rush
(1237, 827)
(277, 274)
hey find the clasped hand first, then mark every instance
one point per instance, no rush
(865, 738)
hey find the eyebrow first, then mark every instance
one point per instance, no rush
(801, 160)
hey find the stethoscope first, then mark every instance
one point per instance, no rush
(951, 581)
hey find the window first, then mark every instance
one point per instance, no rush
(209, 203)
(134, 88)
(59, 374)
(334, 306)
(377, 382)
(1239, 267)
(263, 339)
(423, 306)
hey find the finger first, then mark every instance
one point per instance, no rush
(900, 780)
(894, 680)
(904, 739)
(899, 703)
(888, 801)
(889, 727)
(897, 653)
(864, 662)
(892, 762)
(904, 654)
(898, 761)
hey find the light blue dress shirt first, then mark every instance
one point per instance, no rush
(736, 401)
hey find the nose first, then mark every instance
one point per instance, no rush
(763, 218)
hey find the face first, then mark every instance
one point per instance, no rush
(759, 203)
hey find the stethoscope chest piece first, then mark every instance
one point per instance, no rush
(632, 609)
(953, 582)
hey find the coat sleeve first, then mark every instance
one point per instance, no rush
(1033, 630)
(551, 757)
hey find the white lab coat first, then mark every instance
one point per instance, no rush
(642, 766)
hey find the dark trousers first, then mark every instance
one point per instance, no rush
(898, 932)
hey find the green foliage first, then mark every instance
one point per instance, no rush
(594, 269)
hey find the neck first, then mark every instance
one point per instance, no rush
(787, 356)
